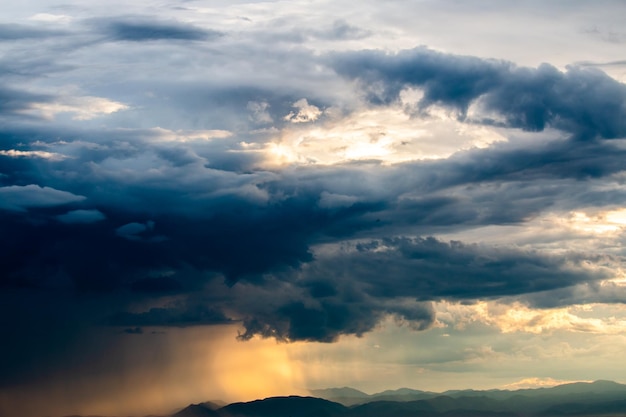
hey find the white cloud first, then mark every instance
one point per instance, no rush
(516, 317)
(306, 112)
(183, 135)
(51, 18)
(81, 107)
(536, 382)
(52, 156)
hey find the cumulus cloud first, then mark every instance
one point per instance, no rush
(306, 191)
(306, 112)
(584, 102)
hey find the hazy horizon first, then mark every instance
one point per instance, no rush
(211, 199)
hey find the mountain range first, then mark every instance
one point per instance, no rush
(599, 398)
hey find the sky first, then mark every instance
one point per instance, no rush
(227, 200)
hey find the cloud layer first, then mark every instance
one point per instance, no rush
(306, 177)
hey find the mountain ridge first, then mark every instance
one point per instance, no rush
(580, 399)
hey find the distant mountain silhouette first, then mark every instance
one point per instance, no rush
(597, 399)
(197, 410)
(285, 407)
(345, 392)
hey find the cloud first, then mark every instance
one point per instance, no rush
(14, 153)
(131, 231)
(14, 32)
(20, 198)
(584, 102)
(349, 290)
(259, 112)
(536, 382)
(83, 107)
(17, 101)
(81, 216)
(135, 330)
(177, 193)
(306, 112)
(145, 29)
(515, 317)
(170, 316)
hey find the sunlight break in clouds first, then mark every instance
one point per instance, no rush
(390, 135)
(516, 317)
(534, 382)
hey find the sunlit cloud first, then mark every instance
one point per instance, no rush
(183, 136)
(516, 317)
(391, 135)
(535, 382)
(51, 18)
(81, 107)
(14, 153)
(305, 112)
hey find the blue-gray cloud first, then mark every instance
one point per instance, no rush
(584, 102)
(127, 213)
(144, 29)
(20, 198)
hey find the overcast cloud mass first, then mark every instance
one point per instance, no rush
(426, 194)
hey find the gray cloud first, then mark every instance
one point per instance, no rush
(13, 32)
(352, 289)
(166, 213)
(148, 214)
(13, 101)
(584, 102)
(144, 29)
(20, 198)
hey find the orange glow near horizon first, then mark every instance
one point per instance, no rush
(162, 372)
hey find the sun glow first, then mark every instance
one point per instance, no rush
(391, 135)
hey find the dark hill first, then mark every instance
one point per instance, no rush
(345, 392)
(292, 406)
(197, 410)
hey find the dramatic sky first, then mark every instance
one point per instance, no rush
(218, 199)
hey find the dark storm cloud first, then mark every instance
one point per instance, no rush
(178, 316)
(584, 102)
(150, 213)
(243, 225)
(291, 313)
(145, 29)
(349, 291)
(426, 268)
